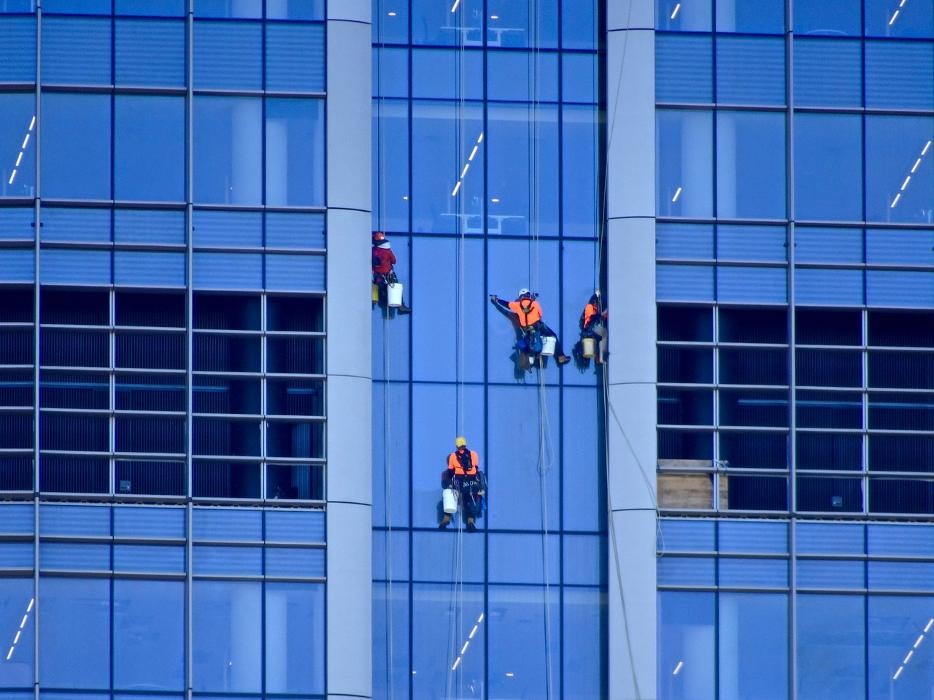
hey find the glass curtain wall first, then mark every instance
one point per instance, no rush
(486, 180)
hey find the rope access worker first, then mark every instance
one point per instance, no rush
(593, 325)
(528, 314)
(464, 474)
(384, 272)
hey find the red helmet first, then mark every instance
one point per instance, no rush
(378, 236)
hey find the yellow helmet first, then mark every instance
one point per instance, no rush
(460, 441)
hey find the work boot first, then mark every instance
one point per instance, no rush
(444, 521)
(471, 526)
(404, 309)
(563, 359)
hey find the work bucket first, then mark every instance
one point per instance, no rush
(394, 295)
(588, 348)
(374, 292)
(548, 345)
(449, 500)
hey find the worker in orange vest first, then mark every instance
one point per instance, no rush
(593, 324)
(383, 262)
(463, 473)
(528, 314)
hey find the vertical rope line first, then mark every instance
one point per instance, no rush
(544, 467)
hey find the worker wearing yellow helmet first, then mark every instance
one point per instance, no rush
(464, 474)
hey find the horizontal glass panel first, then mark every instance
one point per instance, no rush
(831, 17)
(521, 558)
(214, 394)
(245, 561)
(302, 231)
(901, 496)
(294, 272)
(227, 524)
(73, 474)
(225, 480)
(150, 434)
(831, 574)
(899, 74)
(295, 57)
(156, 226)
(901, 576)
(17, 519)
(829, 495)
(295, 481)
(16, 555)
(750, 70)
(828, 245)
(139, 521)
(684, 282)
(828, 368)
(683, 571)
(227, 271)
(752, 284)
(684, 241)
(295, 525)
(18, 49)
(154, 392)
(749, 408)
(217, 436)
(147, 558)
(228, 55)
(908, 453)
(155, 478)
(76, 51)
(828, 73)
(752, 537)
(686, 536)
(84, 557)
(150, 52)
(748, 366)
(92, 521)
(753, 573)
(756, 243)
(294, 562)
(683, 407)
(145, 269)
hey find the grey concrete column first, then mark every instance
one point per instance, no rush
(632, 451)
(349, 452)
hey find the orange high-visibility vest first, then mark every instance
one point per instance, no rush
(529, 312)
(455, 465)
(589, 312)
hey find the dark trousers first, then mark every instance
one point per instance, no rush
(545, 331)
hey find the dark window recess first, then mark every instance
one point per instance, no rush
(295, 481)
(16, 388)
(754, 450)
(225, 480)
(682, 407)
(150, 392)
(685, 365)
(757, 493)
(150, 350)
(73, 475)
(295, 355)
(66, 390)
(829, 409)
(829, 451)
(684, 444)
(216, 436)
(828, 327)
(16, 431)
(901, 370)
(226, 312)
(224, 353)
(297, 314)
(150, 478)
(16, 474)
(166, 310)
(829, 368)
(901, 412)
(16, 346)
(753, 366)
(829, 495)
(152, 434)
(754, 408)
(901, 453)
(901, 496)
(295, 397)
(288, 439)
(16, 305)
(74, 307)
(913, 329)
(213, 394)
(64, 348)
(685, 323)
(73, 432)
(751, 325)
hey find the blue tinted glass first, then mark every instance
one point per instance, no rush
(897, 288)
(683, 571)
(294, 620)
(828, 72)
(227, 150)
(302, 231)
(73, 167)
(228, 8)
(18, 265)
(16, 224)
(18, 49)
(757, 243)
(579, 78)
(75, 266)
(141, 226)
(579, 24)
(447, 73)
(70, 604)
(828, 164)
(900, 74)
(75, 50)
(579, 171)
(828, 245)
(227, 271)
(391, 72)
(227, 229)
(753, 645)
(150, 52)
(886, 18)
(684, 151)
(228, 55)
(87, 225)
(742, 536)
(18, 143)
(901, 540)
(149, 634)
(683, 68)
(390, 21)
(433, 560)
(900, 169)
(149, 268)
(90, 7)
(831, 574)
(834, 287)
(752, 16)
(295, 57)
(148, 8)
(391, 672)
(149, 148)
(684, 282)
(520, 24)
(830, 18)
(750, 70)
(148, 558)
(75, 520)
(305, 273)
(74, 556)
(830, 538)
(583, 476)
(522, 76)
(585, 643)
(516, 558)
(227, 636)
(219, 525)
(751, 165)
(394, 449)
(11, 6)
(895, 623)
(752, 573)
(295, 9)
(686, 624)
(433, 23)
(677, 15)
(17, 600)
(889, 247)
(583, 560)
(391, 164)
(831, 646)
(294, 152)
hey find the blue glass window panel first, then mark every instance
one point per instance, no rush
(215, 525)
(752, 284)
(227, 636)
(828, 73)
(445, 73)
(150, 52)
(396, 344)
(390, 174)
(676, 15)
(243, 561)
(149, 558)
(295, 152)
(894, 147)
(585, 643)
(227, 271)
(517, 558)
(13, 6)
(294, 526)
(299, 231)
(579, 25)
(684, 151)
(439, 263)
(828, 245)
(580, 193)
(136, 521)
(295, 643)
(165, 8)
(583, 562)
(16, 597)
(434, 560)
(686, 636)
(899, 247)
(900, 74)
(683, 68)
(901, 540)
(149, 634)
(830, 574)
(899, 288)
(391, 447)
(295, 272)
(228, 9)
(17, 555)
(686, 571)
(17, 519)
(282, 561)
(831, 646)
(751, 16)
(84, 557)
(830, 538)
(756, 243)
(913, 19)
(295, 57)
(750, 70)
(227, 150)
(18, 50)
(580, 79)
(70, 604)
(759, 538)
(141, 226)
(828, 18)
(828, 167)
(391, 555)
(686, 536)
(753, 645)
(751, 165)
(91, 521)
(753, 573)
(295, 9)
(583, 475)
(901, 576)
(576, 287)
(522, 76)
(76, 50)
(77, 168)
(391, 675)
(149, 148)
(18, 143)
(390, 28)
(517, 641)
(390, 73)
(684, 282)
(90, 7)
(75, 266)
(76, 225)
(894, 624)
(514, 27)
(227, 229)
(228, 55)
(829, 287)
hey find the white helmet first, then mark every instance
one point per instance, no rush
(524, 293)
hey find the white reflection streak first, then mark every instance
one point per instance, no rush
(911, 652)
(907, 180)
(473, 153)
(678, 668)
(454, 6)
(460, 657)
(19, 159)
(32, 601)
(677, 194)
(676, 11)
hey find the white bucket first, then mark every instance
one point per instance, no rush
(394, 295)
(548, 345)
(588, 347)
(449, 500)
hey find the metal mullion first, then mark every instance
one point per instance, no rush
(112, 392)
(263, 426)
(864, 399)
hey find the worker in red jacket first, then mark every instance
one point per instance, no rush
(383, 261)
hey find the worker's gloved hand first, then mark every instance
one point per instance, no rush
(493, 297)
